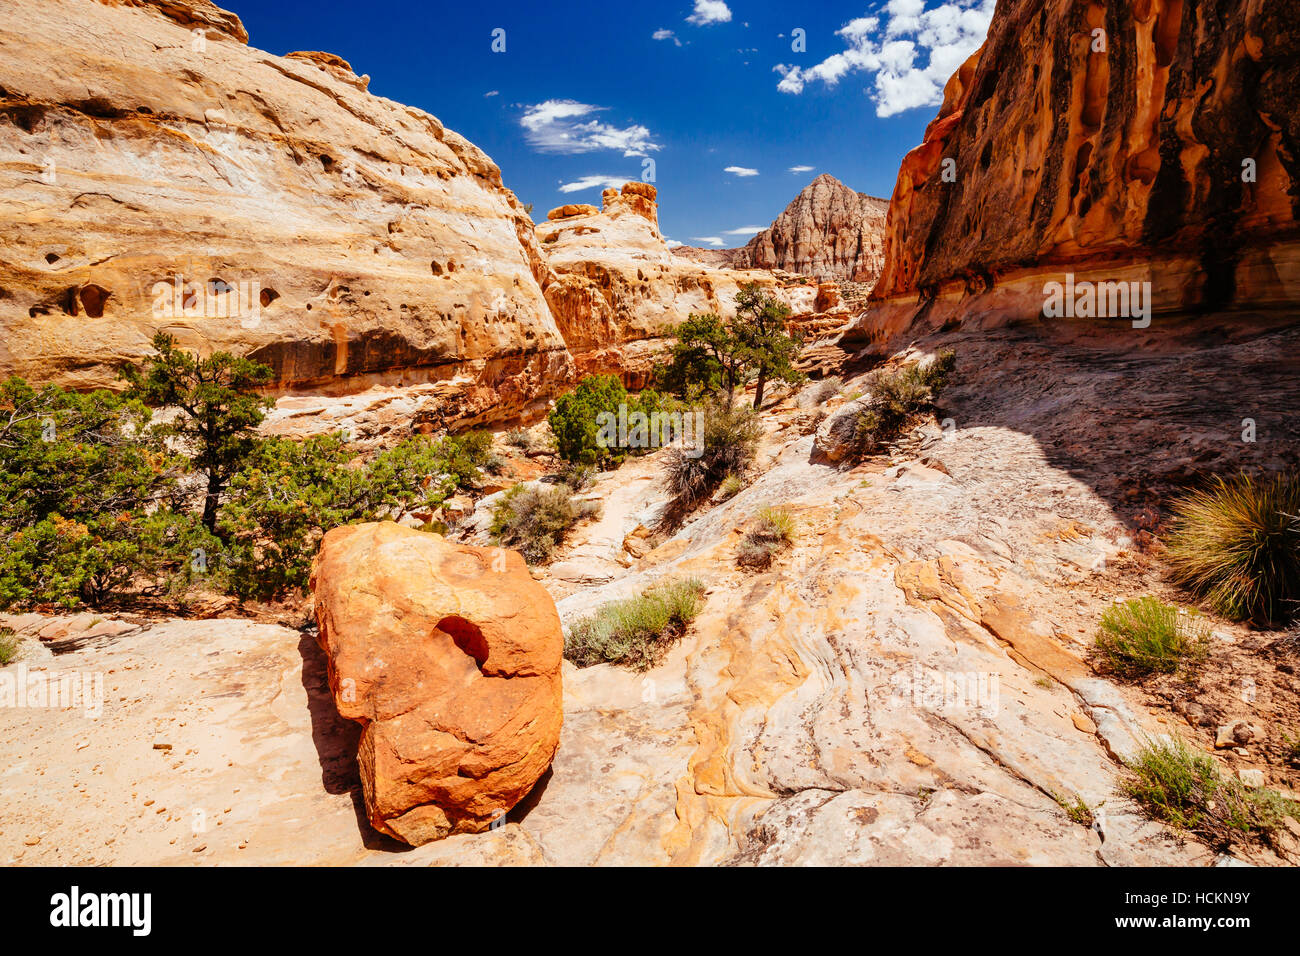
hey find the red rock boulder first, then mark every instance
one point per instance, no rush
(449, 658)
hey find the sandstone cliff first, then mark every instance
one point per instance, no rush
(828, 231)
(160, 174)
(617, 289)
(1137, 140)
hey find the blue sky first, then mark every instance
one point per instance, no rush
(714, 92)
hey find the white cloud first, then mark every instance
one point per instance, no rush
(745, 231)
(802, 169)
(662, 34)
(741, 171)
(708, 240)
(673, 243)
(944, 35)
(709, 11)
(492, 93)
(560, 126)
(592, 182)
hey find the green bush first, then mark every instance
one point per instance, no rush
(731, 437)
(1145, 635)
(90, 505)
(1237, 544)
(636, 632)
(1185, 789)
(535, 521)
(897, 396)
(290, 493)
(731, 486)
(771, 534)
(581, 436)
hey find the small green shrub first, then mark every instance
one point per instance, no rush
(1145, 635)
(1076, 809)
(772, 533)
(898, 395)
(8, 646)
(731, 486)
(1186, 790)
(535, 521)
(636, 632)
(1237, 544)
(822, 392)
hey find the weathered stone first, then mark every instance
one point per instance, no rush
(449, 657)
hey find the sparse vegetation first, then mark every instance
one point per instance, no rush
(897, 396)
(772, 533)
(582, 432)
(535, 521)
(1237, 544)
(731, 486)
(731, 438)
(822, 392)
(1076, 809)
(8, 646)
(1145, 635)
(636, 632)
(1186, 789)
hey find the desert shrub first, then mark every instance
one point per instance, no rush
(581, 421)
(291, 493)
(822, 392)
(731, 437)
(636, 632)
(898, 395)
(1145, 635)
(8, 646)
(1237, 544)
(576, 477)
(90, 503)
(772, 533)
(1186, 789)
(535, 521)
(731, 486)
(522, 439)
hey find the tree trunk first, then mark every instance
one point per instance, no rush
(210, 503)
(758, 392)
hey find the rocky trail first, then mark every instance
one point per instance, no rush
(908, 685)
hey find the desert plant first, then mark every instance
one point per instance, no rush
(1145, 635)
(636, 632)
(759, 327)
(8, 646)
(218, 396)
(773, 532)
(823, 391)
(731, 437)
(1186, 789)
(731, 486)
(896, 396)
(535, 521)
(1076, 809)
(1237, 544)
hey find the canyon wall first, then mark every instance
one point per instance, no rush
(160, 174)
(1149, 141)
(617, 290)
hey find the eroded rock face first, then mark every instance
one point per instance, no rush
(1143, 140)
(617, 290)
(154, 177)
(828, 231)
(449, 658)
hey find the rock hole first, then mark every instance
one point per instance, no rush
(52, 257)
(93, 300)
(435, 268)
(467, 636)
(268, 296)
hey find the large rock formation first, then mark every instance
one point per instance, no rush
(617, 289)
(1136, 140)
(828, 231)
(449, 658)
(160, 174)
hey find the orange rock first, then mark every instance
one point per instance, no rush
(449, 658)
(571, 210)
(641, 189)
